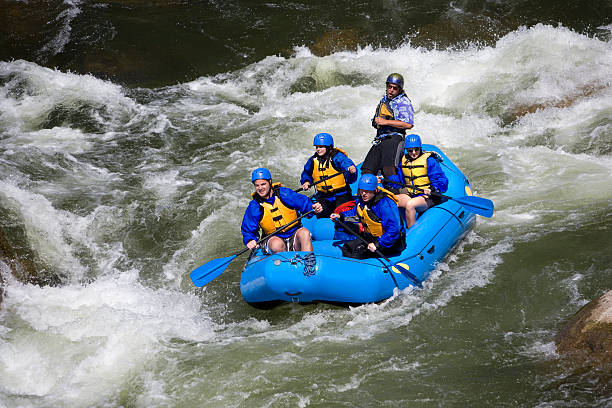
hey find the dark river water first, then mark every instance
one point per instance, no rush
(128, 131)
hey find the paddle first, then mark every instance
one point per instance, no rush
(477, 205)
(297, 190)
(407, 274)
(204, 274)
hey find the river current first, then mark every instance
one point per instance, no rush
(117, 191)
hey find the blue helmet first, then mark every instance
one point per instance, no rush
(412, 141)
(323, 139)
(396, 79)
(261, 174)
(368, 182)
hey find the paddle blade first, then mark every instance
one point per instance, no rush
(477, 205)
(204, 274)
(397, 265)
(403, 269)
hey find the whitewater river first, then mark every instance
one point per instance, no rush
(118, 192)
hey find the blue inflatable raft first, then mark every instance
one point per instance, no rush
(326, 276)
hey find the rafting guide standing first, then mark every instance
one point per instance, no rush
(394, 115)
(272, 207)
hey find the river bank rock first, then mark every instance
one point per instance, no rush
(17, 256)
(22, 268)
(334, 41)
(3, 260)
(589, 332)
(1, 288)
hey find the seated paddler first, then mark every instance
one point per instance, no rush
(419, 176)
(272, 207)
(377, 215)
(331, 171)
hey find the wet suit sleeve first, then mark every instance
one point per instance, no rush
(342, 161)
(387, 211)
(436, 175)
(250, 222)
(396, 179)
(307, 172)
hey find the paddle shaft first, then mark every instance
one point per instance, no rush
(478, 205)
(404, 271)
(279, 229)
(433, 193)
(204, 274)
(320, 181)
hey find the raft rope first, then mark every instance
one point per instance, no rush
(309, 260)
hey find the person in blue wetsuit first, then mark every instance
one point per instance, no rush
(419, 174)
(394, 115)
(377, 213)
(272, 207)
(322, 169)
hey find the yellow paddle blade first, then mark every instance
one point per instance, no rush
(394, 269)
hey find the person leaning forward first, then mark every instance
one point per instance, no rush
(272, 207)
(377, 212)
(394, 115)
(332, 171)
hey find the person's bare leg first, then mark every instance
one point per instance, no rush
(410, 216)
(302, 240)
(403, 201)
(276, 244)
(414, 204)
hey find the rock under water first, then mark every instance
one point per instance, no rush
(589, 331)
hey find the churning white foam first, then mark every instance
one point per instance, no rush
(75, 345)
(528, 120)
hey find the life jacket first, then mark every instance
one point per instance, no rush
(277, 214)
(325, 168)
(371, 222)
(385, 111)
(415, 174)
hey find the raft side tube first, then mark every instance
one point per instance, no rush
(283, 276)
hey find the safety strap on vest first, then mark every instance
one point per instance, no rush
(333, 184)
(276, 214)
(416, 175)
